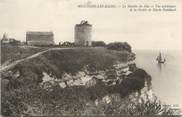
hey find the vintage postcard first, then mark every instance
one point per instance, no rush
(91, 57)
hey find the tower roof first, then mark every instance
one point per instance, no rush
(83, 22)
(39, 33)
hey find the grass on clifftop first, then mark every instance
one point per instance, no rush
(12, 53)
(72, 60)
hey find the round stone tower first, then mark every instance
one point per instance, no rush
(83, 34)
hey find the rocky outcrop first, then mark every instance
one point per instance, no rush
(69, 88)
(122, 78)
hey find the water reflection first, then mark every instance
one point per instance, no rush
(160, 66)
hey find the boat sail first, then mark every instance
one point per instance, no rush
(160, 59)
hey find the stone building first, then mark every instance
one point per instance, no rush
(11, 41)
(40, 38)
(5, 39)
(83, 34)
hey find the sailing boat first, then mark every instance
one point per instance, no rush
(160, 59)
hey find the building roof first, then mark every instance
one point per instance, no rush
(83, 22)
(38, 33)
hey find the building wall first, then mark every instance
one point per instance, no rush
(83, 34)
(41, 38)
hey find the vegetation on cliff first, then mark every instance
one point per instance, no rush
(120, 46)
(11, 53)
(24, 91)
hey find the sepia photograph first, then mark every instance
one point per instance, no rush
(90, 58)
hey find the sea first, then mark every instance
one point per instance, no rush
(167, 77)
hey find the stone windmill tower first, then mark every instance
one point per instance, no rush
(83, 34)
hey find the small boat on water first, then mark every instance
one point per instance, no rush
(160, 59)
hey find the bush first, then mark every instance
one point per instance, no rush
(98, 44)
(150, 108)
(119, 46)
(68, 44)
(127, 107)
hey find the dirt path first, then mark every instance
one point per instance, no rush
(5, 67)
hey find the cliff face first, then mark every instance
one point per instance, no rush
(73, 82)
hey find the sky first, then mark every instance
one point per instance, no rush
(142, 30)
